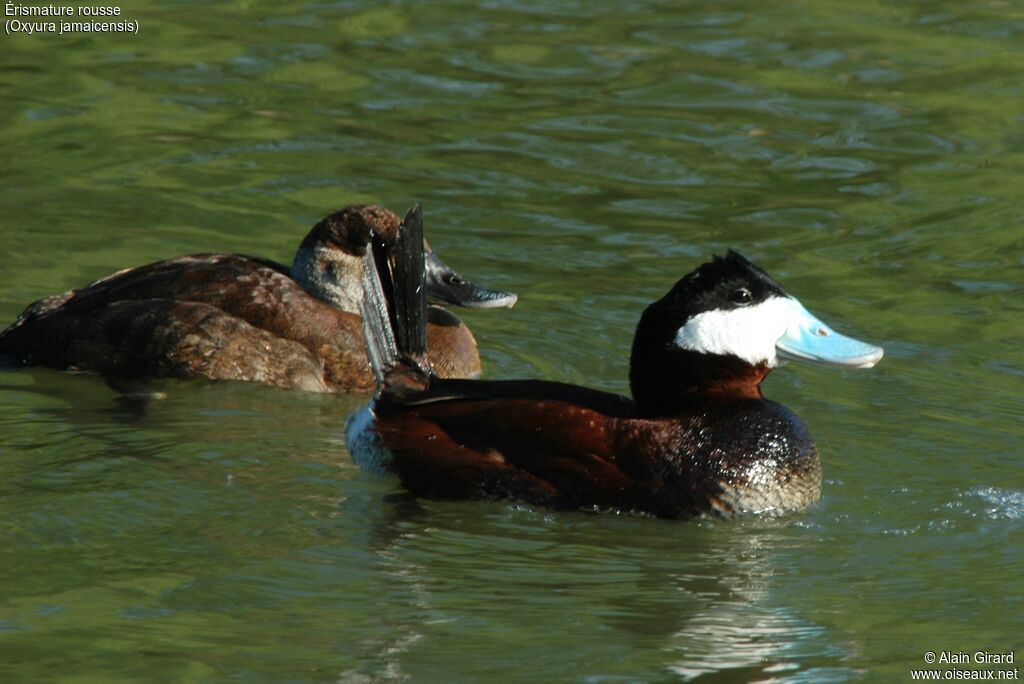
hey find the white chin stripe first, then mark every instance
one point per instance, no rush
(749, 333)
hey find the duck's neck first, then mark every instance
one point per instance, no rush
(674, 382)
(329, 274)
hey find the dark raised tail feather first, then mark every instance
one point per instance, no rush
(394, 309)
(408, 263)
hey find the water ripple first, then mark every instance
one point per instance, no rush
(997, 504)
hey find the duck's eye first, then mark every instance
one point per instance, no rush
(741, 296)
(451, 279)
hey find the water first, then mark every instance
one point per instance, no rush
(585, 156)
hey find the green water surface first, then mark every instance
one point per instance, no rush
(585, 155)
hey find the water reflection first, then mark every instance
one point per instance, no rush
(459, 578)
(748, 635)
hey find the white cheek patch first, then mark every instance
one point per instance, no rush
(749, 333)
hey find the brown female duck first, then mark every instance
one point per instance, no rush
(234, 317)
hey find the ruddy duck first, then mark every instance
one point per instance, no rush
(231, 317)
(697, 438)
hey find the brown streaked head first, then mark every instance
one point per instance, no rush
(349, 229)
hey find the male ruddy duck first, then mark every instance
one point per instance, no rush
(232, 317)
(697, 438)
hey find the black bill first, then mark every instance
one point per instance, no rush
(445, 286)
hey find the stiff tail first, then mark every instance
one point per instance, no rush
(394, 308)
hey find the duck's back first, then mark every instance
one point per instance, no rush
(217, 316)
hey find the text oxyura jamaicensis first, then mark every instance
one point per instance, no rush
(231, 317)
(697, 438)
